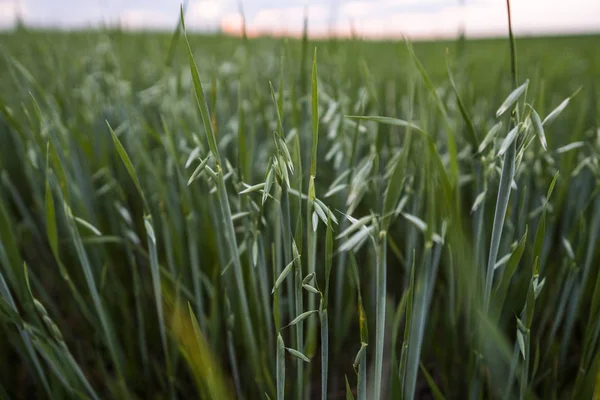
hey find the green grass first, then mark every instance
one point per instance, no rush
(234, 222)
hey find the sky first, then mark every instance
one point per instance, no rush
(368, 18)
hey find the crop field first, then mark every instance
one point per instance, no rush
(187, 216)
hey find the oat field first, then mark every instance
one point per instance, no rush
(187, 216)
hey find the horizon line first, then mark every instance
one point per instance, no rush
(292, 34)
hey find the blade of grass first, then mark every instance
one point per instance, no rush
(229, 231)
(381, 278)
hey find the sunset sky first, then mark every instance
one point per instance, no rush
(372, 18)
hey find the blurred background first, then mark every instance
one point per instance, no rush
(369, 18)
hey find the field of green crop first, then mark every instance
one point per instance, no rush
(214, 217)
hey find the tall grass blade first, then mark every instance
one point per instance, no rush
(200, 98)
(381, 277)
(280, 368)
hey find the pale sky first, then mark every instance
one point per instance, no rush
(371, 18)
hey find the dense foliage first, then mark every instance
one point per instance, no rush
(167, 232)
